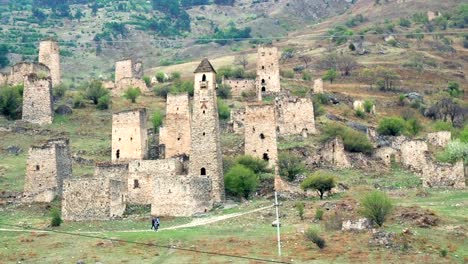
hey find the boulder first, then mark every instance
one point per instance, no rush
(359, 225)
(63, 110)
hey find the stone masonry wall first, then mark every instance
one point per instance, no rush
(413, 154)
(37, 100)
(240, 86)
(440, 139)
(22, 69)
(260, 133)
(295, 116)
(237, 120)
(444, 175)
(268, 74)
(176, 132)
(123, 84)
(89, 199)
(333, 152)
(129, 135)
(116, 171)
(128, 69)
(49, 55)
(318, 86)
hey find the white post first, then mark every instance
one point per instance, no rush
(278, 224)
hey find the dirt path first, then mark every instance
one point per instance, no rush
(194, 223)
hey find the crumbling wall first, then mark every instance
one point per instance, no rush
(444, 175)
(239, 87)
(359, 105)
(37, 100)
(413, 154)
(268, 74)
(387, 155)
(129, 135)
(260, 133)
(89, 199)
(127, 68)
(176, 132)
(440, 139)
(294, 115)
(431, 15)
(49, 55)
(237, 120)
(116, 171)
(3, 79)
(22, 69)
(123, 84)
(318, 86)
(333, 152)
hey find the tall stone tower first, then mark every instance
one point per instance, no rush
(37, 100)
(268, 74)
(206, 156)
(49, 55)
(127, 68)
(129, 135)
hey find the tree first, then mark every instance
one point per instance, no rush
(290, 166)
(223, 110)
(306, 59)
(11, 100)
(367, 76)
(255, 164)
(346, 63)
(241, 181)
(223, 91)
(132, 94)
(454, 89)
(4, 61)
(79, 15)
(103, 102)
(376, 206)
(386, 77)
(321, 181)
(330, 75)
(157, 120)
(242, 60)
(95, 90)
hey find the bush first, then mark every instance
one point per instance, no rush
(56, 219)
(443, 252)
(95, 91)
(161, 77)
(454, 89)
(241, 181)
(391, 126)
(59, 91)
(287, 74)
(224, 91)
(147, 81)
(162, 91)
(353, 140)
(330, 75)
(11, 101)
(290, 166)
(376, 206)
(78, 101)
(103, 102)
(312, 235)
(321, 181)
(359, 113)
(255, 164)
(182, 87)
(306, 76)
(319, 214)
(300, 209)
(223, 110)
(335, 222)
(454, 151)
(464, 135)
(157, 120)
(413, 126)
(175, 76)
(132, 94)
(368, 106)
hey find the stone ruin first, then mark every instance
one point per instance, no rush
(268, 73)
(359, 105)
(37, 100)
(240, 87)
(318, 86)
(22, 69)
(88, 199)
(127, 74)
(47, 166)
(49, 55)
(440, 139)
(334, 153)
(294, 115)
(260, 133)
(175, 134)
(237, 121)
(431, 15)
(129, 135)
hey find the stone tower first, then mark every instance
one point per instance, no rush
(206, 156)
(49, 55)
(175, 134)
(129, 135)
(37, 100)
(268, 74)
(260, 133)
(128, 69)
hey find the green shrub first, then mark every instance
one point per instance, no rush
(78, 101)
(11, 101)
(443, 252)
(132, 94)
(290, 166)
(454, 151)
(442, 126)
(241, 181)
(59, 91)
(223, 110)
(454, 89)
(319, 214)
(175, 76)
(464, 135)
(312, 234)
(182, 87)
(95, 90)
(359, 113)
(368, 106)
(353, 140)
(160, 76)
(300, 209)
(103, 102)
(162, 91)
(404, 22)
(330, 75)
(376, 206)
(321, 181)
(56, 219)
(147, 81)
(255, 164)
(413, 126)
(306, 76)
(157, 120)
(391, 126)
(224, 91)
(287, 74)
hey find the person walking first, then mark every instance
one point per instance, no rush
(157, 222)
(153, 224)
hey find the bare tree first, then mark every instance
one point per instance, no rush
(306, 59)
(242, 60)
(346, 64)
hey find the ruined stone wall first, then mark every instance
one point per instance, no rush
(431, 15)
(294, 115)
(142, 174)
(268, 74)
(260, 133)
(89, 199)
(333, 152)
(413, 154)
(128, 69)
(440, 139)
(240, 86)
(49, 55)
(387, 155)
(237, 120)
(318, 86)
(123, 84)
(206, 155)
(176, 132)
(181, 195)
(359, 105)
(3, 79)
(129, 135)
(444, 175)
(46, 168)
(116, 171)
(22, 69)
(37, 100)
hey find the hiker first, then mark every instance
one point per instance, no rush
(157, 224)
(153, 224)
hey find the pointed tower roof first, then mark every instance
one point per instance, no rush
(205, 66)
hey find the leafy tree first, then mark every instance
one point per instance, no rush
(95, 90)
(353, 140)
(182, 87)
(103, 102)
(4, 61)
(257, 165)
(157, 120)
(454, 89)
(160, 76)
(391, 126)
(56, 219)
(321, 181)
(340, 34)
(223, 110)
(11, 101)
(300, 209)
(367, 76)
(223, 91)
(132, 94)
(376, 206)
(330, 75)
(241, 181)
(385, 77)
(79, 101)
(290, 166)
